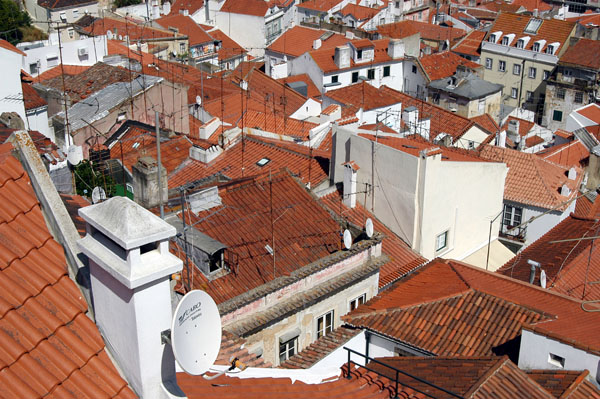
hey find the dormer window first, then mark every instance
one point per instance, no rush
(536, 47)
(492, 39)
(550, 49)
(505, 41)
(520, 43)
(359, 54)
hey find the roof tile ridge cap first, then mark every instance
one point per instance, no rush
(574, 385)
(486, 376)
(257, 140)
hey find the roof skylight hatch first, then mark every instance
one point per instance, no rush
(263, 161)
(533, 26)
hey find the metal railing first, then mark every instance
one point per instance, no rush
(397, 375)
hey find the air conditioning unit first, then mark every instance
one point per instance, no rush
(82, 52)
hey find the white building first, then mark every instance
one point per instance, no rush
(61, 13)
(439, 200)
(11, 92)
(379, 61)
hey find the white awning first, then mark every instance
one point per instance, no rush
(499, 255)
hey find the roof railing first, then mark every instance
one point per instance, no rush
(397, 375)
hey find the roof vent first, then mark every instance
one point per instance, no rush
(204, 199)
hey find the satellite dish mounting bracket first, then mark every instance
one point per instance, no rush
(165, 337)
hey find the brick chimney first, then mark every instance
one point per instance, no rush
(130, 265)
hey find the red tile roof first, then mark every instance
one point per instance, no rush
(299, 39)
(360, 13)
(402, 29)
(486, 122)
(125, 26)
(312, 91)
(366, 96)
(186, 26)
(45, 147)
(234, 346)
(324, 59)
(591, 111)
(448, 307)
(257, 8)
(551, 30)
(304, 232)
(565, 384)
(443, 65)
(573, 153)
(7, 46)
(532, 180)
(31, 97)
(533, 141)
(58, 70)
(501, 6)
(73, 203)
(403, 259)
(319, 5)
(568, 265)
(48, 345)
(524, 125)
(191, 6)
(229, 47)
(292, 156)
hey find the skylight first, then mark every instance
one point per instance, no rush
(533, 25)
(263, 161)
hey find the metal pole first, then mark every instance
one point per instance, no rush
(160, 189)
(185, 246)
(487, 259)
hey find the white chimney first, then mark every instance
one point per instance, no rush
(206, 130)
(396, 49)
(205, 155)
(349, 35)
(572, 174)
(130, 265)
(317, 44)
(501, 139)
(350, 172)
(565, 190)
(342, 56)
(424, 128)
(410, 116)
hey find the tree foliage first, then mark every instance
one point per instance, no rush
(125, 3)
(11, 19)
(87, 178)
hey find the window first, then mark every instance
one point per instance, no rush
(397, 4)
(578, 97)
(414, 69)
(354, 77)
(33, 68)
(386, 71)
(357, 301)
(52, 60)
(75, 14)
(529, 96)
(263, 161)
(471, 145)
(216, 261)
(533, 25)
(441, 241)
(536, 47)
(546, 75)
(359, 54)
(287, 348)
(532, 72)
(325, 324)
(505, 41)
(381, 21)
(568, 72)
(556, 360)
(489, 63)
(520, 43)
(557, 116)
(371, 74)
(71, 32)
(63, 16)
(516, 69)
(182, 47)
(334, 79)
(502, 66)
(492, 39)
(514, 92)
(560, 93)
(550, 49)
(512, 216)
(436, 98)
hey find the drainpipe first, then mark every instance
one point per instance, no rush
(367, 344)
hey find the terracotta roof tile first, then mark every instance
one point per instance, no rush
(551, 30)
(573, 153)
(229, 47)
(468, 311)
(312, 91)
(291, 156)
(443, 65)
(525, 126)
(48, 346)
(360, 13)
(186, 26)
(591, 111)
(402, 29)
(319, 5)
(487, 122)
(234, 346)
(58, 4)
(257, 8)
(557, 382)
(123, 27)
(73, 203)
(501, 6)
(191, 6)
(31, 97)
(305, 232)
(533, 141)
(532, 180)
(403, 259)
(58, 70)
(299, 39)
(324, 59)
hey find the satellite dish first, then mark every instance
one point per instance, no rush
(543, 279)
(369, 227)
(98, 195)
(75, 154)
(198, 100)
(347, 239)
(196, 332)
(109, 35)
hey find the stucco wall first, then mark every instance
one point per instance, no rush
(11, 92)
(246, 30)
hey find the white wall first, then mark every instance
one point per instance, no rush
(96, 51)
(11, 92)
(246, 30)
(535, 351)
(38, 120)
(543, 224)
(413, 81)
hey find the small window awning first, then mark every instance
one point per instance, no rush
(289, 335)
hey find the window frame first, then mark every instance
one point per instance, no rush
(387, 71)
(438, 246)
(516, 69)
(501, 66)
(514, 92)
(546, 75)
(286, 348)
(354, 77)
(561, 93)
(489, 63)
(578, 97)
(371, 74)
(512, 216)
(555, 113)
(326, 328)
(335, 79)
(356, 302)
(532, 73)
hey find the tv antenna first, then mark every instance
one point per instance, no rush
(196, 332)
(369, 227)
(347, 239)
